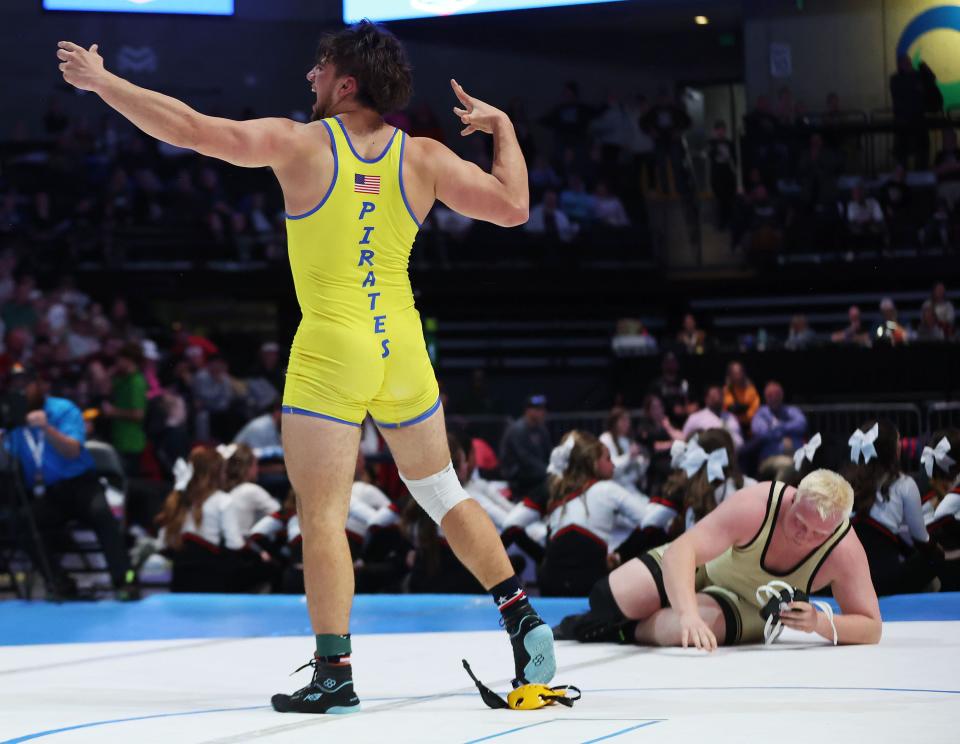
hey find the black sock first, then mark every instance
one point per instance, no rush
(509, 596)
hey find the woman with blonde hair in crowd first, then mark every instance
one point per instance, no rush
(197, 526)
(584, 508)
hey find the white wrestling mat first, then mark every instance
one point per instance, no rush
(414, 689)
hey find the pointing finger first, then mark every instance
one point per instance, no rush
(94, 48)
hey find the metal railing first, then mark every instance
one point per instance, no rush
(831, 419)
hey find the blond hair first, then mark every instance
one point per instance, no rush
(828, 491)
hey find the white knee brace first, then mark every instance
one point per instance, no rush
(437, 493)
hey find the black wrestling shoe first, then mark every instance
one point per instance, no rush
(330, 691)
(533, 656)
(587, 628)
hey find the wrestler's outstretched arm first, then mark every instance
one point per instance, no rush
(253, 144)
(731, 523)
(849, 574)
(501, 196)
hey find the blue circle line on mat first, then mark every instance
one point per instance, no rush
(814, 688)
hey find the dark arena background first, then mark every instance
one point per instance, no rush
(742, 245)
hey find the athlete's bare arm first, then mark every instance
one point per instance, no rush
(501, 196)
(252, 144)
(734, 522)
(848, 574)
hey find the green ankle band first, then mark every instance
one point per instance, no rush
(329, 644)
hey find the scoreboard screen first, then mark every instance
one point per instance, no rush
(395, 10)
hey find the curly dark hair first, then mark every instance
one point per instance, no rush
(376, 59)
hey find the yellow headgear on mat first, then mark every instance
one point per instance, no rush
(525, 697)
(531, 697)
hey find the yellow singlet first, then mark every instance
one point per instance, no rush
(360, 344)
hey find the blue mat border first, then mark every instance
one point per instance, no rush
(180, 616)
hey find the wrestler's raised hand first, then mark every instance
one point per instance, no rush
(476, 115)
(82, 68)
(694, 631)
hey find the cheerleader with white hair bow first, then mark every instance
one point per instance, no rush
(584, 508)
(198, 527)
(888, 512)
(705, 472)
(940, 461)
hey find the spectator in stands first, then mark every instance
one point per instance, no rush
(263, 432)
(907, 95)
(549, 220)
(765, 148)
(759, 227)
(584, 508)
(865, 219)
(20, 310)
(673, 390)
(855, 333)
(777, 427)
(215, 394)
(577, 203)
(692, 339)
(611, 130)
(608, 208)
(631, 338)
(525, 449)
(641, 146)
(629, 461)
(800, 335)
(249, 502)
(817, 171)
(569, 119)
(890, 330)
(712, 416)
(929, 329)
(942, 308)
(896, 198)
(198, 527)
(58, 473)
(885, 502)
(543, 176)
(127, 408)
(656, 434)
(740, 396)
(666, 122)
(947, 167)
(723, 173)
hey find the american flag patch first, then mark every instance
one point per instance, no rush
(366, 184)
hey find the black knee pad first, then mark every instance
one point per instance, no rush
(602, 604)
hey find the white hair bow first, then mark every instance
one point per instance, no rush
(560, 456)
(226, 451)
(678, 449)
(182, 474)
(937, 455)
(862, 442)
(807, 451)
(697, 455)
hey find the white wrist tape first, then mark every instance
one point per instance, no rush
(437, 493)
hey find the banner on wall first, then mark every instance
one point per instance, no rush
(927, 31)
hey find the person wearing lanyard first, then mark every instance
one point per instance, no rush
(59, 472)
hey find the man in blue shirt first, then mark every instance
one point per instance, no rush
(778, 429)
(59, 473)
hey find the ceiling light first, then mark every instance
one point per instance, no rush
(701, 20)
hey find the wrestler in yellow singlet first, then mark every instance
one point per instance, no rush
(360, 346)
